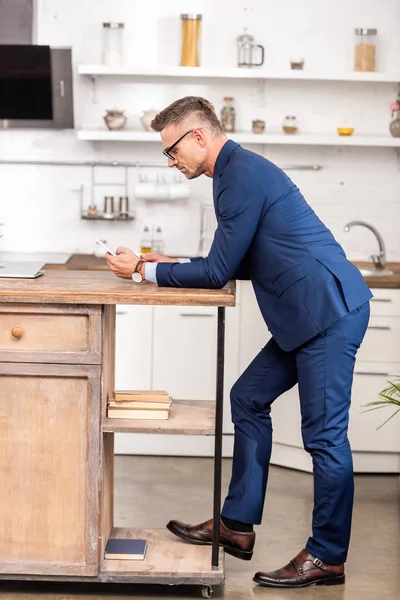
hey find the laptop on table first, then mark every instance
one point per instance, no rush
(21, 270)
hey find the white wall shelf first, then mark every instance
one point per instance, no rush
(381, 141)
(233, 73)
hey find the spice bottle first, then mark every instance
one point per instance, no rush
(228, 115)
(145, 242)
(158, 242)
(289, 125)
(92, 211)
(365, 50)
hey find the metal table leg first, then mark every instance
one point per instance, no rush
(218, 435)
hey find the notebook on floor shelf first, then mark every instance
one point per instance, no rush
(141, 396)
(125, 549)
(134, 413)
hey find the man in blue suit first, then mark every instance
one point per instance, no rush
(316, 306)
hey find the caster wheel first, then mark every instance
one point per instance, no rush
(206, 591)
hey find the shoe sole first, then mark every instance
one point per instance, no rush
(232, 551)
(331, 581)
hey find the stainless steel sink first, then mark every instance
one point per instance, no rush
(375, 272)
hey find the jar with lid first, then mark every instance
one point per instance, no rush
(113, 43)
(289, 125)
(190, 40)
(365, 50)
(228, 115)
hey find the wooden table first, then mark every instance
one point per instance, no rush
(57, 363)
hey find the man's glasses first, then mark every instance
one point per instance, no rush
(167, 151)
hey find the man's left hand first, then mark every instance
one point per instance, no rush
(124, 263)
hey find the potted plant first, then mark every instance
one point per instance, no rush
(390, 396)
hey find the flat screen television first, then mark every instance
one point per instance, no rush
(35, 87)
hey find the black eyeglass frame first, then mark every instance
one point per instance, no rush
(167, 151)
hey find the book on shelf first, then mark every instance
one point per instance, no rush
(134, 413)
(125, 549)
(139, 405)
(141, 396)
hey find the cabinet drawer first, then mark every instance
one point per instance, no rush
(381, 342)
(385, 302)
(50, 334)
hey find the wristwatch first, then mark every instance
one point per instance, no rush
(136, 275)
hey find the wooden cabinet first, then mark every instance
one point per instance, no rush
(49, 464)
(57, 371)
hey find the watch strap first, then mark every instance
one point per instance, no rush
(139, 264)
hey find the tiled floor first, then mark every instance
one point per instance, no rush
(152, 490)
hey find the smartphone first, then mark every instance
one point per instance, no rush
(105, 247)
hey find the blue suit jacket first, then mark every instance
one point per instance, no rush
(268, 233)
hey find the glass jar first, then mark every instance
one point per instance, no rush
(228, 115)
(394, 126)
(365, 50)
(258, 126)
(190, 40)
(289, 125)
(113, 43)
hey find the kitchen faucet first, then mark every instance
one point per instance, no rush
(379, 260)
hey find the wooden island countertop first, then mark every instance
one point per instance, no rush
(98, 287)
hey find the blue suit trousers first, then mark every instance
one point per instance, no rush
(323, 368)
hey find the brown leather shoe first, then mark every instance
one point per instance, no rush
(302, 571)
(237, 543)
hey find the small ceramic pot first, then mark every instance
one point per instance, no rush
(115, 119)
(147, 117)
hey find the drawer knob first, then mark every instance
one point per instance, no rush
(17, 332)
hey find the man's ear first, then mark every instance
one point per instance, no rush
(200, 136)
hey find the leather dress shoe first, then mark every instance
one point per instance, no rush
(304, 570)
(236, 543)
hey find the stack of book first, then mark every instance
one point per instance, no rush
(138, 404)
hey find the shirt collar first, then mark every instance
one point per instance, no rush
(223, 157)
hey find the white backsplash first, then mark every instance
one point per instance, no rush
(40, 204)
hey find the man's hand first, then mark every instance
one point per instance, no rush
(124, 263)
(155, 257)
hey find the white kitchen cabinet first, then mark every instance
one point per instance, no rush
(364, 435)
(185, 351)
(133, 351)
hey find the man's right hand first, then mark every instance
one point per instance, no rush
(157, 258)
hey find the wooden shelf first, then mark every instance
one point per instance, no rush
(300, 139)
(94, 70)
(187, 417)
(167, 560)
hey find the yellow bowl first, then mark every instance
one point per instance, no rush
(345, 130)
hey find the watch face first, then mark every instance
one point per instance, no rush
(137, 277)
